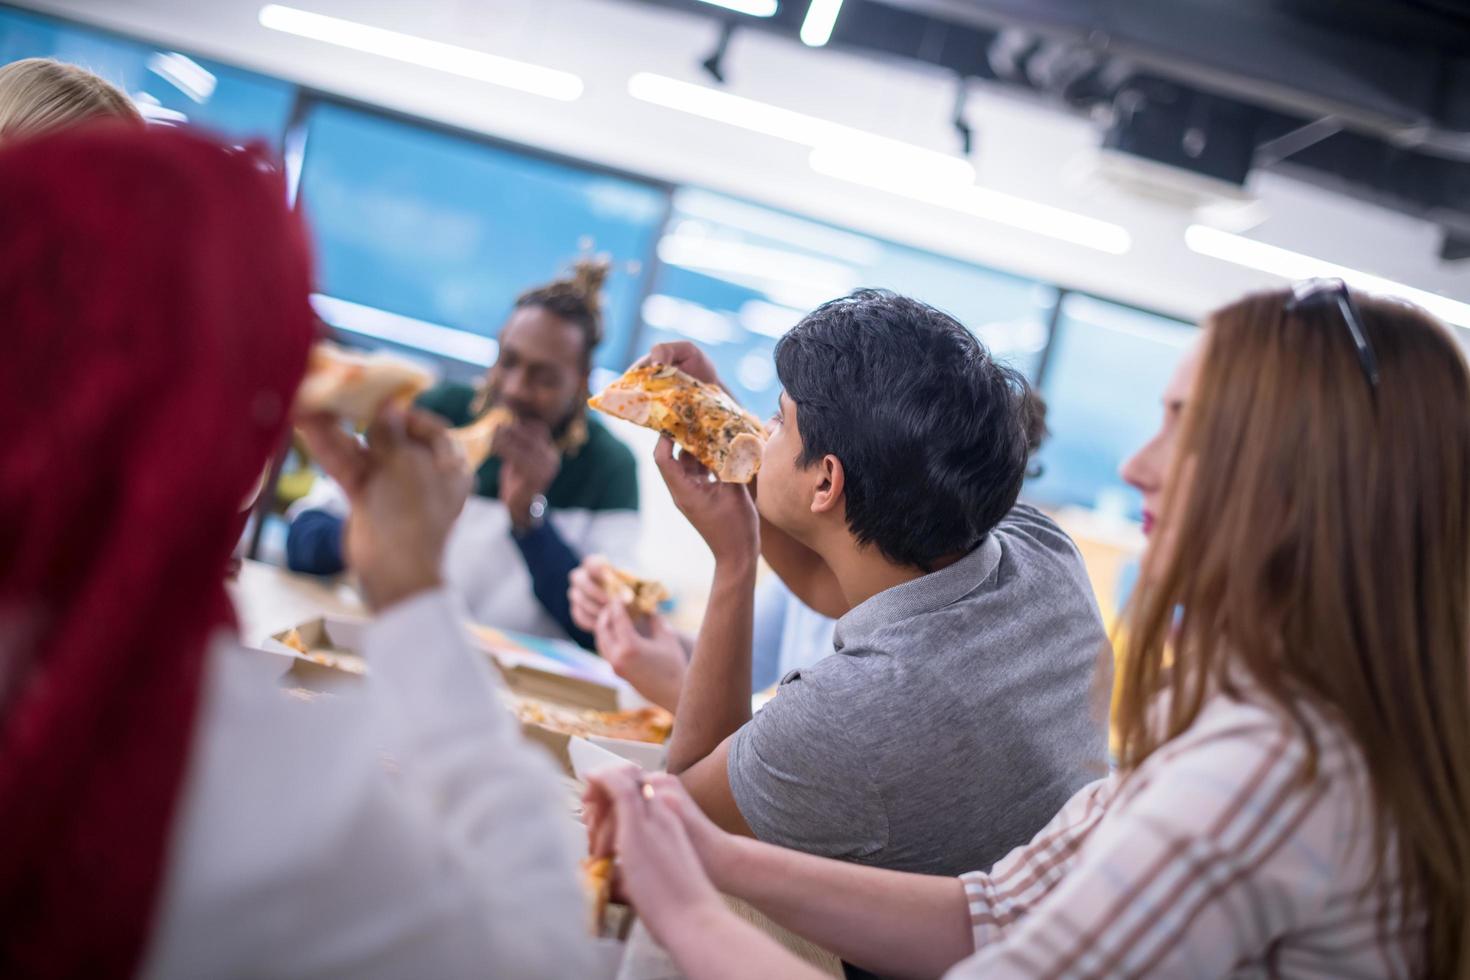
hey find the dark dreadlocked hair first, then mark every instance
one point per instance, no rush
(577, 299)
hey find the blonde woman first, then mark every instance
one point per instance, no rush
(41, 94)
(1294, 794)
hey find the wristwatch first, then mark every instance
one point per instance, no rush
(538, 510)
(537, 514)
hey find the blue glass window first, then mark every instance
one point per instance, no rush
(1104, 380)
(167, 85)
(733, 277)
(447, 231)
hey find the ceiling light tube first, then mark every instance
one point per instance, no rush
(981, 202)
(821, 17)
(1277, 261)
(797, 127)
(481, 66)
(753, 8)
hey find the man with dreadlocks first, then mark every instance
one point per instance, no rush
(557, 486)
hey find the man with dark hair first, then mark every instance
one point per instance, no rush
(961, 707)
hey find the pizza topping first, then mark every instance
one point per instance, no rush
(702, 418)
(640, 595)
(650, 724)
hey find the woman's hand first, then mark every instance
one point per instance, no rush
(643, 820)
(714, 848)
(646, 653)
(407, 484)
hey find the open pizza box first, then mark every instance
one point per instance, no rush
(324, 651)
(324, 654)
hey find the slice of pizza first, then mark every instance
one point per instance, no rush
(597, 886)
(700, 417)
(475, 439)
(650, 724)
(640, 595)
(356, 386)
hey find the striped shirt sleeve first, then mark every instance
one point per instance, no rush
(1181, 871)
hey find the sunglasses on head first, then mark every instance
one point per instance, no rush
(1334, 293)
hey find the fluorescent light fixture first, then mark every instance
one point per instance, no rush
(459, 345)
(821, 17)
(882, 163)
(466, 62)
(785, 228)
(154, 111)
(981, 202)
(699, 323)
(798, 127)
(1287, 264)
(754, 8)
(184, 74)
(1150, 327)
(756, 263)
(768, 319)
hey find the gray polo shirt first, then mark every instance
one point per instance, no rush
(957, 714)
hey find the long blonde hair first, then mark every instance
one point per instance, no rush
(1322, 545)
(40, 94)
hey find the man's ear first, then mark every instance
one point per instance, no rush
(828, 494)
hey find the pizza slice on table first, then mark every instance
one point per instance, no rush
(356, 386)
(701, 418)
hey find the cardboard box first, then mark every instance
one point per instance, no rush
(332, 658)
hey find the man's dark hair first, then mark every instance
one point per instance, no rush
(576, 298)
(933, 433)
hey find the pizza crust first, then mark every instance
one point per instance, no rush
(354, 386)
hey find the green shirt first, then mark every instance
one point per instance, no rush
(600, 475)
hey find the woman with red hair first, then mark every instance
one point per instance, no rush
(164, 808)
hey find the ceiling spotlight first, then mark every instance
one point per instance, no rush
(714, 65)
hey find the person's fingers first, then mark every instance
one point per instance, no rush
(618, 781)
(663, 458)
(585, 588)
(602, 635)
(663, 353)
(663, 781)
(423, 426)
(386, 431)
(693, 467)
(584, 613)
(334, 449)
(658, 627)
(620, 624)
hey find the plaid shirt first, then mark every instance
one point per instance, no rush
(1215, 859)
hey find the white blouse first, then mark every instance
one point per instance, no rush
(399, 828)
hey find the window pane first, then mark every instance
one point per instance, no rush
(1106, 375)
(167, 85)
(733, 277)
(447, 230)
